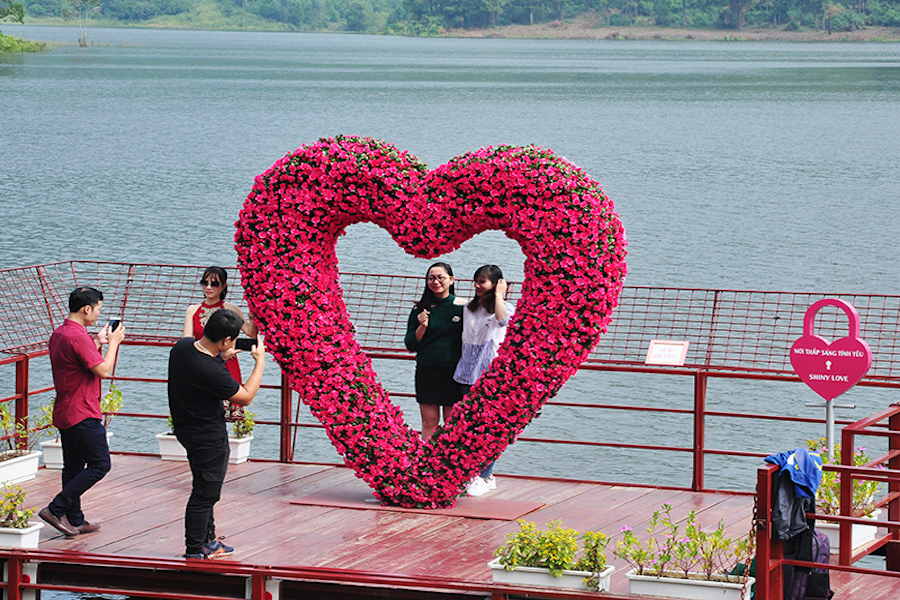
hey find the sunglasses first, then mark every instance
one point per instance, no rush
(206, 282)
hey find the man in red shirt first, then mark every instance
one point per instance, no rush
(78, 368)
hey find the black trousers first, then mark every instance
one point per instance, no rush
(85, 462)
(209, 463)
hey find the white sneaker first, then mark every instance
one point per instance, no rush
(491, 482)
(478, 487)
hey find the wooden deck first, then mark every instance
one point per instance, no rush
(141, 502)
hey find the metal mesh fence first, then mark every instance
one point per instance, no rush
(728, 330)
(744, 330)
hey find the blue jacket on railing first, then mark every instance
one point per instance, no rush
(805, 468)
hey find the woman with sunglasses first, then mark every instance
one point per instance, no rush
(434, 333)
(214, 284)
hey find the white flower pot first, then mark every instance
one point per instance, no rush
(539, 576)
(27, 537)
(19, 468)
(240, 449)
(690, 589)
(860, 535)
(170, 448)
(53, 454)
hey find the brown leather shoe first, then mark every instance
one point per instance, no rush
(60, 524)
(86, 527)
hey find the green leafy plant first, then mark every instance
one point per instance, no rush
(593, 557)
(555, 549)
(19, 438)
(12, 514)
(678, 549)
(111, 404)
(244, 427)
(42, 424)
(9, 428)
(828, 496)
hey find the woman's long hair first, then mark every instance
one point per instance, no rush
(493, 273)
(428, 298)
(221, 275)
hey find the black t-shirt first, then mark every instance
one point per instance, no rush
(197, 385)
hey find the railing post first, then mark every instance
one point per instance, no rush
(285, 451)
(845, 530)
(22, 399)
(892, 548)
(769, 551)
(14, 576)
(700, 380)
(260, 587)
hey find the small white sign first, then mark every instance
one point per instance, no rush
(667, 352)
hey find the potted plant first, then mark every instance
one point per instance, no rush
(169, 446)
(240, 438)
(52, 448)
(18, 458)
(681, 560)
(16, 528)
(551, 558)
(110, 405)
(828, 497)
(239, 441)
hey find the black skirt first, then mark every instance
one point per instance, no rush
(435, 385)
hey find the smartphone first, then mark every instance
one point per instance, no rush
(244, 343)
(114, 323)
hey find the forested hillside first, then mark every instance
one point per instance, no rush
(432, 17)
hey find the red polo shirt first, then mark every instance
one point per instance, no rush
(73, 353)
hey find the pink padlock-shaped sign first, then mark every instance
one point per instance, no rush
(831, 369)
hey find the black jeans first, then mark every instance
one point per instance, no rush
(209, 463)
(85, 462)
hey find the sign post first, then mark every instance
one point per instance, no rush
(830, 369)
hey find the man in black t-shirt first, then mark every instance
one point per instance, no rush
(198, 382)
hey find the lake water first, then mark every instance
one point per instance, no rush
(733, 165)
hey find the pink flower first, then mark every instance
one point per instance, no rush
(575, 249)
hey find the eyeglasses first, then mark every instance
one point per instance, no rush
(207, 282)
(441, 278)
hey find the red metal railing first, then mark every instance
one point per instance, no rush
(732, 334)
(868, 471)
(256, 576)
(770, 556)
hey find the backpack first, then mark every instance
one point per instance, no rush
(809, 584)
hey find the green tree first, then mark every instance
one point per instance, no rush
(735, 12)
(358, 15)
(14, 12)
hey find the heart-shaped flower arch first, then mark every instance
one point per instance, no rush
(574, 246)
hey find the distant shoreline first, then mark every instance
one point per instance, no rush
(589, 27)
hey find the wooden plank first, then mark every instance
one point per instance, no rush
(141, 507)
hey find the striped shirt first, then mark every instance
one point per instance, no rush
(481, 337)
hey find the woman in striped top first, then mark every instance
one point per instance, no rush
(484, 327)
